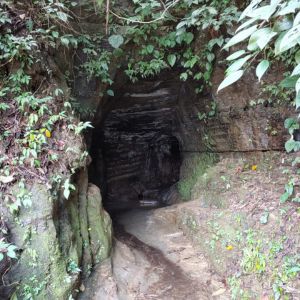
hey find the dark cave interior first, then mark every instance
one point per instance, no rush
(136, 148)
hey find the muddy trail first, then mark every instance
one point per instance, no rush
(152, 259)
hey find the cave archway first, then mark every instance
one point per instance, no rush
(137, 147)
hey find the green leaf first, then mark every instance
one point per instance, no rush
(289, 122)
(62, 16)
(283, 24)
(210, 57)
(290, 39)
(1, 256)
(99, 3)
(289, 82)
(188, 38)
(297, 57)
(278, 42)
(297, 199)
(284, 197)
(171, 59)
(241, 36)
(150, 48)
(260, 38)
(297, 101)
(236, 55)
(14, 296)
(116, 40)
(118, 52)
(230, 79)
(238, 64)
(183, 76)
(11, 254)
(289, 8)
(65, 41)
(252, 44)
(262, 68)
(296, 71)
(110, 93)
(297, 86)
(289, 188)
(249, 9)
(264, 40)
(246, 24)
(67, 189)
(297, 19)
(264, 218)
(264, 12)
(289, 146)
(66, 193)
(55, 34)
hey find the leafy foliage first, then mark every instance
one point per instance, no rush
(8, 250)
(169, 42)
(36, 105)
(271, 29)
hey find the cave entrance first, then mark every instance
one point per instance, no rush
(143, 175)
(136, 149)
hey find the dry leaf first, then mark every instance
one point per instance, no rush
(7, 179)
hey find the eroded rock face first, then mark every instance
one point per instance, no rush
(142, 142)
(54, 234)
(99, 226)
(241, 126)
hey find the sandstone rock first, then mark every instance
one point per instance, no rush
(99, 226)
(52, 233)
(41, 269)
(238, 125)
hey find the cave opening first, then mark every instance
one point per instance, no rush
(137, 148)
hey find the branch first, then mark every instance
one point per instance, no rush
(162, 16)
(107, 16)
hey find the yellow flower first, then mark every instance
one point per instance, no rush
(229, 247)
(47, 133)
(254, 167)
(32, 137)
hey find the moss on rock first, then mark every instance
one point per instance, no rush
(99, 222)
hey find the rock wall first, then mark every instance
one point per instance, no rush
(55, 236)
(240, 125)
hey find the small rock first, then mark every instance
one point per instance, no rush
(82, 288)
(219, 292)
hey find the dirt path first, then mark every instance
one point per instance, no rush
(152, 259)
(173, 282)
